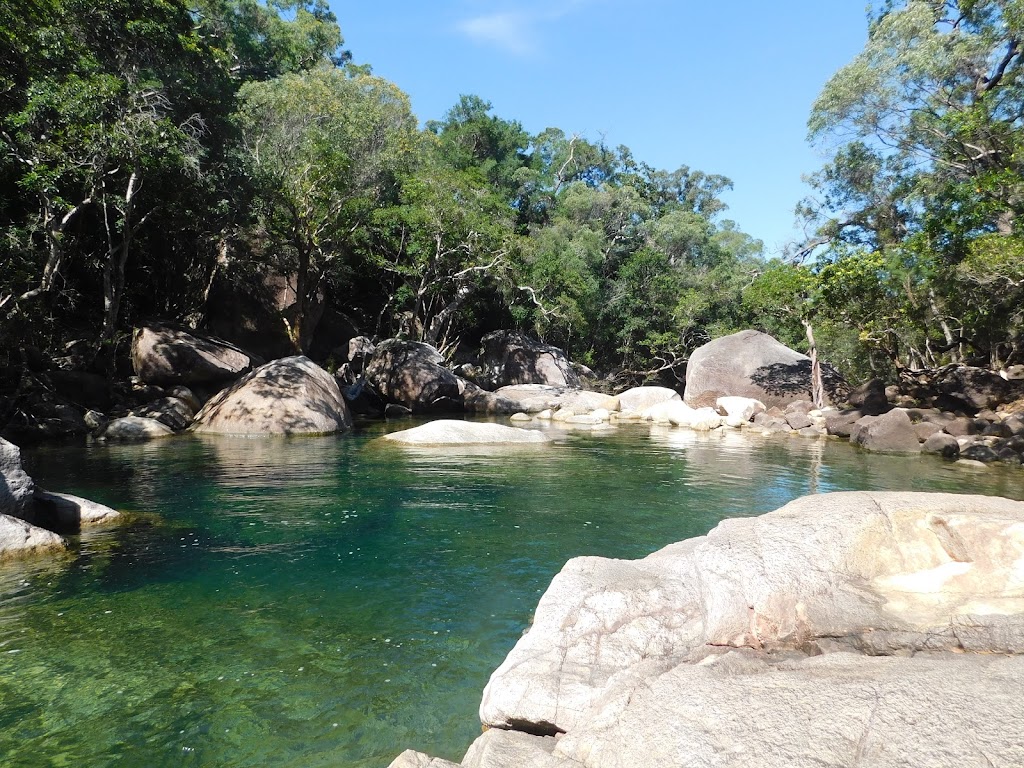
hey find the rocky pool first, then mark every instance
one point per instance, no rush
(332, 601)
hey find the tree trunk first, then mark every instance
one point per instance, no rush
(117, 258)
(817, 385)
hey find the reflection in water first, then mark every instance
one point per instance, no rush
(331, 600)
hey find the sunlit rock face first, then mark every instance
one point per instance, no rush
(755, 365)
(290, 396)
(825, 632)
(15, 485)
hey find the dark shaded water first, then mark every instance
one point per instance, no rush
(332, 601)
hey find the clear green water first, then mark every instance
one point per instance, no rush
(332, 601)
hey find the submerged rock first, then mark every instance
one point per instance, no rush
(19, 538)
(454, 432)
(132, 428)
(290, 396)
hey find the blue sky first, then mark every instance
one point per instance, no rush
(723, 87)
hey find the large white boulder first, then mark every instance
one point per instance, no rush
(881, 573)
(679, 414)
(455, 432)
(290, 396)
(753, 364)
(740, 409)
(642, 398)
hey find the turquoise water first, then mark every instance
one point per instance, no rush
(332, 601)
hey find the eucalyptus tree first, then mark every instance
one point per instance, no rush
(326, 148)
(926, 171)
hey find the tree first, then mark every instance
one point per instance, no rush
(109, 107)
(445, 239)
(325, 148)
(928, 164)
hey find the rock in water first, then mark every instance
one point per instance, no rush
(169, 355)
(18, 538)
(755, 365)
(131, 428)
(290, 396)
(412, 374)
(878, 573)
(16, 486)
(453, 432)
(65, 512)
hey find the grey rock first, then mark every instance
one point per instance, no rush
(359, 352)
(413, 759)
(16, 487)
(498, 748)
(64, 512)
(396, 411)
(412, 374)
(169, 411)
(508, 358)
(870, 398)
(753, 364)
(1015, 425)
(95, 420)
(641, 398)
(134, 428)
(996, 429)
(168, 355)
(187, 396)
(942, 444)
(841, 423)
(798, 419)
(979, 452)
(891, 432)
(925, 429)
(290, 396)
(19, 538)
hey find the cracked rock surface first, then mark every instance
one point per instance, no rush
(844, 629)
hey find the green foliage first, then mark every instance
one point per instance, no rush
(928, 177)
(153, 147)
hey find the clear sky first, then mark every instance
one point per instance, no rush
(724, 87)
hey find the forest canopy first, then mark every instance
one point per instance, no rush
(169, 159)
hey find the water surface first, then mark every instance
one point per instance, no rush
(331, 601)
